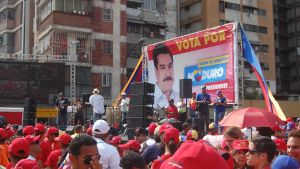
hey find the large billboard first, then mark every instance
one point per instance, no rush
(207, 57)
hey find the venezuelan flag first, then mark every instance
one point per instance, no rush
(250, 56)
(136, 76)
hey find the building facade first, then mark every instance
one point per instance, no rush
(287, 46)
(148, 22)
(93, 33)
(254, 15)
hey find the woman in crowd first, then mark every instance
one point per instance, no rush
(240, 149)
(230, 135)
(170, 141)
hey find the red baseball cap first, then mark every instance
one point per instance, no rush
(280, 144)
(240, 145)
(27, 163)
(10, 132)
(64, 138)
(164, 127)
(28, 130)
(89, 131)
(19, 147)
(32, 139)
(131, 144)
(171, 133)
(39, 127)
(52, 130)
(198, 155)
(277, 128)
(116, 140)
(3, 133)
(151, 128)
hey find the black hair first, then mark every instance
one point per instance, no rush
(3, 122)
(78, 128)
(160, 48)
(172, 146)
(266, 145)
(140, 131)
(131, 160)
(79, 141)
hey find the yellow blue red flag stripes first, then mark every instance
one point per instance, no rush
(251, 58)
(136, 76)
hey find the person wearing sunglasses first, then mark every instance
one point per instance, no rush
(240, 149)
(83, 153)
(262, 151)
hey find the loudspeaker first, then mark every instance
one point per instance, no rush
(140, 111)
(141, 99)
(141, 88)
(185, 88)
(134, 122)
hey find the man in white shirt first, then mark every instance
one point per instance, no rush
(110, 157)
(97, 101)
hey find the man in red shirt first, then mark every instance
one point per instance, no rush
(172, 111)
(53, 158)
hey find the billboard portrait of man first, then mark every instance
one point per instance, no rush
(164, 72)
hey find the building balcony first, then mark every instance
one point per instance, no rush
(153, 17)
(7, 2)
(250, 3)
(65, 19)
(7, 24)
(135, 14)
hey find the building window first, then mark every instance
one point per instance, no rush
(150, 5)
(261, 12)
(133, 28)
(1, 40)
(222, 6)
(46, 10)
(107, 15)
(107, 47)
(232, 6)
(106, 79)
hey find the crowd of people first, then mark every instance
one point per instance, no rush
(162, 145)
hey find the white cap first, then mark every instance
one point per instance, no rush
(95, 91)
(124, 94)
(102, 126)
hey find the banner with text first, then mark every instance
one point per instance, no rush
(207, 57)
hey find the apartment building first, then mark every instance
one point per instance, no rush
(254, 15)
(12, 14)
(149, 21)
(287, 46)
(93, 32)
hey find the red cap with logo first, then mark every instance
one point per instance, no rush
(164, 127)
(277, 128)
(33, 139)
(131, 144)
(171, 133)
(64, 138)
(193, 155)
(28, 130)
(151, 128)
(116, 140)
(3, 133)
(240, 145)
(280, 144)
(27, 164)
(10, 132)
(52, 130)
(19, 147)
(39, 127)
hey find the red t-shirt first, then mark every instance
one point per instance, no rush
(46, 148)
(158, 162)
(172, 108)
(53, 159)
